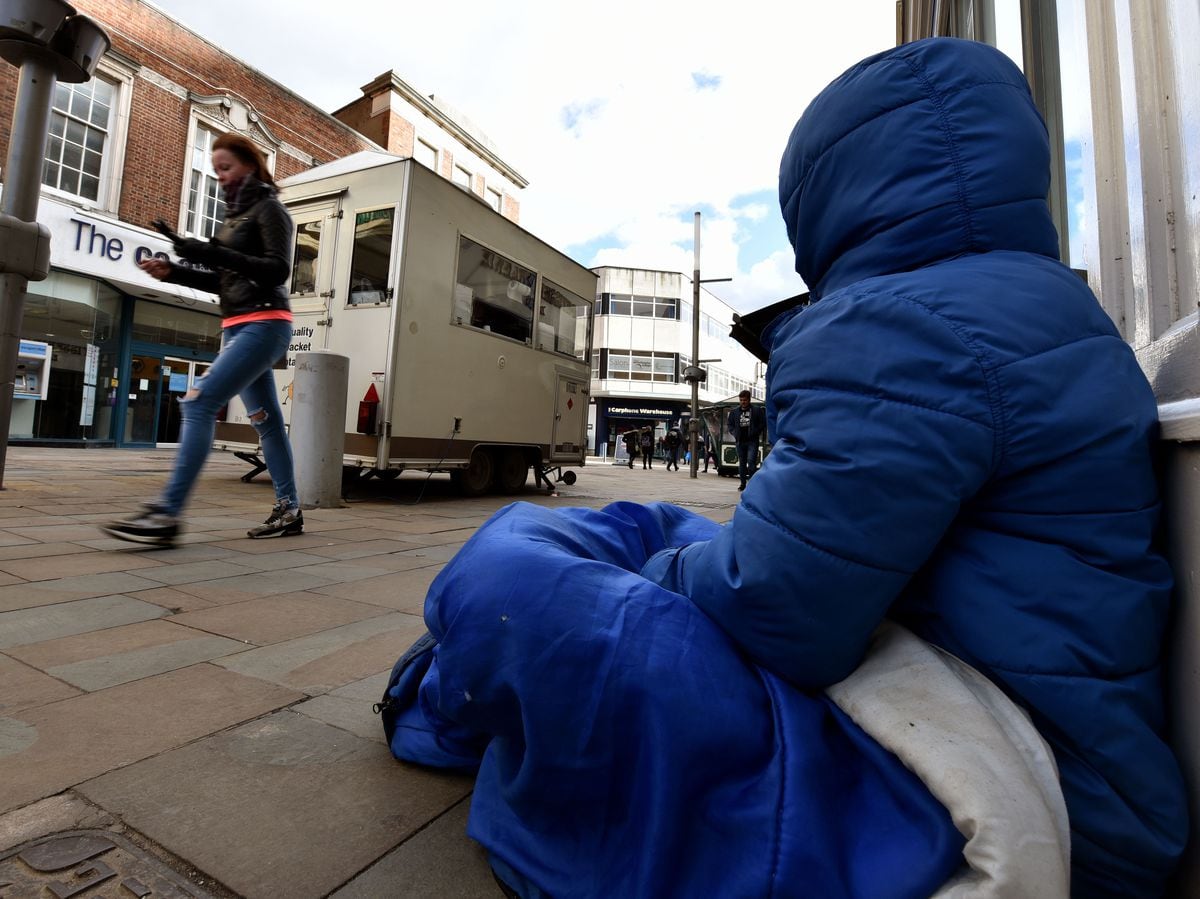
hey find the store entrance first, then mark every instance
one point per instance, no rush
(155, 385)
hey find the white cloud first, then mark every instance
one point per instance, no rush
(622, 116)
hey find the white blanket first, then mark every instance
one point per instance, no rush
(978, 754)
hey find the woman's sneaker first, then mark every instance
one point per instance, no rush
(152, 526)
(284, 521)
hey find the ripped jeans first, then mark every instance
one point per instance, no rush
(242, 368)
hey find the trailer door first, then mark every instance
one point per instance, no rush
(570, 419)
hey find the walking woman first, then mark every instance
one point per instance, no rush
(246, 264)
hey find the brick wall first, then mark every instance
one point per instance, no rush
(156, 152)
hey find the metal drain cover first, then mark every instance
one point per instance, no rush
(88, 863)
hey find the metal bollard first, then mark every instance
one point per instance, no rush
(318, 430)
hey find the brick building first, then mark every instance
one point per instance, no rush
(105, 348)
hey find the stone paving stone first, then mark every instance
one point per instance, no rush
(100, 659)
(367, 548)
(172, 600)
(28, 596)
(274, 619)
(440, 862)
(403, 591)
(194, 572)
(239, 805)
(22, 687)
(32, 550)
(63, 619)
(85, 736)
(260, 583)
(392, 590)
(53, 533)
(360, 534)
(275, 561)
(435, 553)
(458, 537)
(241, 543)
(322, 662)
(54, 815)
(340, 571)
(350, 715)
(69, 565)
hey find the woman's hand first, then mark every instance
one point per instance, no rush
(155, 267)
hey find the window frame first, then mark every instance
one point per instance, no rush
(112, 163)
(196, 121)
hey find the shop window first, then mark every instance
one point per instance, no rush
(370, 262)
(493, 293)
(562, 321)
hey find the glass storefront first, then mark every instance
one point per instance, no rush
(88, 374)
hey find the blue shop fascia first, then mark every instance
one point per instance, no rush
(616, 415)
(105, 349)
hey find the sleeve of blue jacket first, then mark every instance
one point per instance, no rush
(884, 423)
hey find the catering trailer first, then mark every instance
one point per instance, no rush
(469, 338)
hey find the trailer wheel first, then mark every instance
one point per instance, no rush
(476, 478)
(513, 471)
(568, 478)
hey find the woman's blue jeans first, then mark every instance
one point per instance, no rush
(242, 368)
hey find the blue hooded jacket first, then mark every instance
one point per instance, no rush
(961, 441)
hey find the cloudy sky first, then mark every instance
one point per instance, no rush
(627, 117)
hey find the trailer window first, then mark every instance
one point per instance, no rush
(304, 265)
(372, 257)
(493, 293)
(562, 321)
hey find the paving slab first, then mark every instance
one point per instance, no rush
(83, 737)
(403, 591)
(195, 572)
(58, 813)
(99, 659)
(74, 564)
(173, 600)
(27, 596)
(369, 547)
(400, 590)
(23, 686)
(66, 618)
(275, 619)
(440, 862)
(239, 804)
(322, 662)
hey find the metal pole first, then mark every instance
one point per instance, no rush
(22, 189)
(694, 425)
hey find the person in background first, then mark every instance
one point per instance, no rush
(747, 424)
(647, 447)
(633, 440)
(673, 441)
(246, 263)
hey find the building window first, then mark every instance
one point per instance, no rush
(426, 154)
(493, 198)
(644, 307)
(641, 366)
(80, 122)
(562, 321)
(462, 177)
(493, 293)
(205, 204)
(306, 262)
(596, 364)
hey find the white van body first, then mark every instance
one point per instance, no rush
(470, 337)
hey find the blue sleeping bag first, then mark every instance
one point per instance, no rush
(626, 748)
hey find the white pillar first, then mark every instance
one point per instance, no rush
(318, 429)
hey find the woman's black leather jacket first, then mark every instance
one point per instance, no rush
(248, 261)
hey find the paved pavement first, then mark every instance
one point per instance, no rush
(197, 721)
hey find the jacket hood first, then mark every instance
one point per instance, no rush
(919, 154)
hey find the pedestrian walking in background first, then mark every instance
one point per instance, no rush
(647, 446)
(673, 441)
(632, 440)
(747, 424)
(247, 264)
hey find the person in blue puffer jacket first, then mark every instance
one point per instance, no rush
(961, 441)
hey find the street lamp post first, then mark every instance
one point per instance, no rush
(49, 42)
(694, 374)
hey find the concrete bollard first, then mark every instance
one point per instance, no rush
(318, 429)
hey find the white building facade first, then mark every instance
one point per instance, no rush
(640, 347)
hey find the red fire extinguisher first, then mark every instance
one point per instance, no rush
(368, 407)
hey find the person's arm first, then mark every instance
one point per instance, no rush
(882, 429)
(267, 269)
(200, 279)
